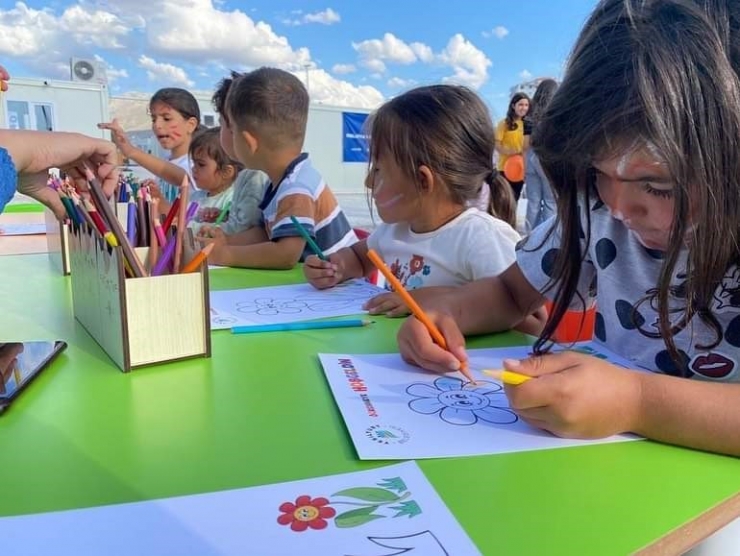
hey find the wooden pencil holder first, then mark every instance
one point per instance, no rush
(137, 321)
(57, 242)
(121, 210)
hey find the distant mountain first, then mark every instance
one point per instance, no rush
(132, 111)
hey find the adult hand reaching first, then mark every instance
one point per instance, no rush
(34, 152)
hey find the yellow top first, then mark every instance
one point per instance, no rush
(509, 138)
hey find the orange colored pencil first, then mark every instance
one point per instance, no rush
(415, 308)
(196, 261)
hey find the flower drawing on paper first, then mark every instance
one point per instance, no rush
(459, 404)
(306, 513)
(388, 500)
(270, 306)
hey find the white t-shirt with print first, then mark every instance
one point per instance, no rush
(473, 245)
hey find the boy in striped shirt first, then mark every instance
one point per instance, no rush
(268, 110)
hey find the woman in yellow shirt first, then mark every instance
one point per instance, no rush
(509, 139)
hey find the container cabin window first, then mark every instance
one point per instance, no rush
(22, 114)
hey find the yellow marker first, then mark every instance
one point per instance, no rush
(508, 377)
(17, 376)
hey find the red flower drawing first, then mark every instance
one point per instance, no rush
(305, 513)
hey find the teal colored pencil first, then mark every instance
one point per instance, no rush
(223, 213)
(308, 325)
(309, 239)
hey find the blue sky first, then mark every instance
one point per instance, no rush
(357, 53)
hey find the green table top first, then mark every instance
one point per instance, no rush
(260, 411)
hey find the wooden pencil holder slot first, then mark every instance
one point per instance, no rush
(137, 321)
(121, 210)
(57, 242)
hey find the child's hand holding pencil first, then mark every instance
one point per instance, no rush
(417, 346)
(323, 274)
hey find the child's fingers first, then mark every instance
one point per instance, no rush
(389, 304)
(417, 347)
(312, 261)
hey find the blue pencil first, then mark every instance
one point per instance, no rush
(311, 243)
(308, 325)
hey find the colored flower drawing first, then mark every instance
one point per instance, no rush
(306, 513)
(457, 404)
(387, 500)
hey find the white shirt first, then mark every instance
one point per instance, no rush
(186, 164)
(471, 246)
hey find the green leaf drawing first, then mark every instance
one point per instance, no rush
(370, 494)
(409, 508)
(355, 518)
(396, 483)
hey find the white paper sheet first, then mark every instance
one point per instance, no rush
(292, 303)
(381, 512)
(396, 411)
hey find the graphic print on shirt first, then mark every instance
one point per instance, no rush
(411, 272)
(727, 296)
(676, 306)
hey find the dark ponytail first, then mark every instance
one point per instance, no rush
(502, 203)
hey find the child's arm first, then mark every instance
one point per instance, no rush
(255, 234)
(578, 396)
(282, 254)
(345, 264)
(163, 169)
(480, 307)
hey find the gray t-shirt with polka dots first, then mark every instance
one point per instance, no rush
(621, 275)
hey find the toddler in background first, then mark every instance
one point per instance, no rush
(249, 186)
(214, 174)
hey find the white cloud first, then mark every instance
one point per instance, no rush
(374, 53)
(194, 30)
(111, 73)
(327, 17)
(499, 32)
(45, 42)
(399, 83)
(180, 38)
(374, 65)
(342, 69)
(470, 65)
(422, 51)
(326, 89)
(166, 73)
(526, 75)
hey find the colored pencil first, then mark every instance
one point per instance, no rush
(508, 377)
(198, 259)
(166, 257)
(174, 208)
(308, 325)
(223, 213)
(131, 222)
(309, 240)
(96, 190)
(415, 308)
(157, 224)
(181, 222)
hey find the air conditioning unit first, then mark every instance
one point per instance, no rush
(87, 71)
